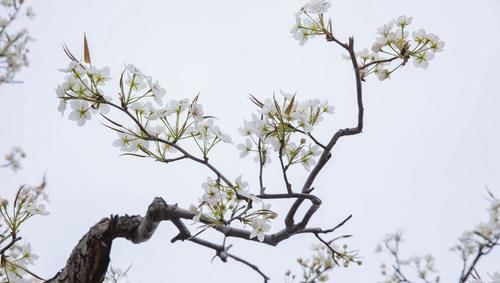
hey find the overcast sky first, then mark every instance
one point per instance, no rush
(429, 148)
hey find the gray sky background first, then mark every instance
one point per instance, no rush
(429, 148)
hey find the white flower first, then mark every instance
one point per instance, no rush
(385, 29)
(28, 256)
(134, 70)
(422, 59)
(260, 127)
(80, 112)
(35, 209)
(301, 36)
(382, 74)
(403, 21)
(196, 111)
(125, 142)
(245, 148)
(364, 55)
(376, 47)
(73, 66)
(297, 24)
(177, 106)
(274, 142)
(247, 128)
(135, 82)
(314, 150)
(327, 107)
(268, 107)
(62, 106)
(14, 274)
(260, 226)
(240, 184)
(215, 130)
(157, 90)
(420, 36)
(212, 194)
(139, 143)
(198, 211)
(435, 44)
(100, 75)
(317, 6)
(308, 162)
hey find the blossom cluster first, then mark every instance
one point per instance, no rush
(309, 21)
(482, 239)
(82, 91)
(483, 235)
(272, 129)
(423, 266)
(394, 43)
(221, 204)
(13, 158)
(158, 127)
(13, 43)
(16, 256)
(323, 260)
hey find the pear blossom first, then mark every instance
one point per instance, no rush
(198, 211)
(100, 75)
(422, 59)
(382, 74)
(136, 82)
(260, 226)
(436, 45)
(403, 21)
(36, 209)
(80, 113)
(240, 184)
(317, 6)
(157, 90)
(385, 29)
(125, 142)
(245, 148)
(247, 128)
(28, 257)
(420, 36)
(131, 68)
(196, 111)
(212, 195)
(308, 162)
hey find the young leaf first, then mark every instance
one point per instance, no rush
(86, 52)
(290, 106)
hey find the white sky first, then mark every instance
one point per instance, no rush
(429, 148)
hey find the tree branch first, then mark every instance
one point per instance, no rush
(326, 155)
(89, 260)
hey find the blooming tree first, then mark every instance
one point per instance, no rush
(13, 41)
(281, 130)
(473, 245)
(16, 255)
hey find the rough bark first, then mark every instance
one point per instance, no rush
(89, 260)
